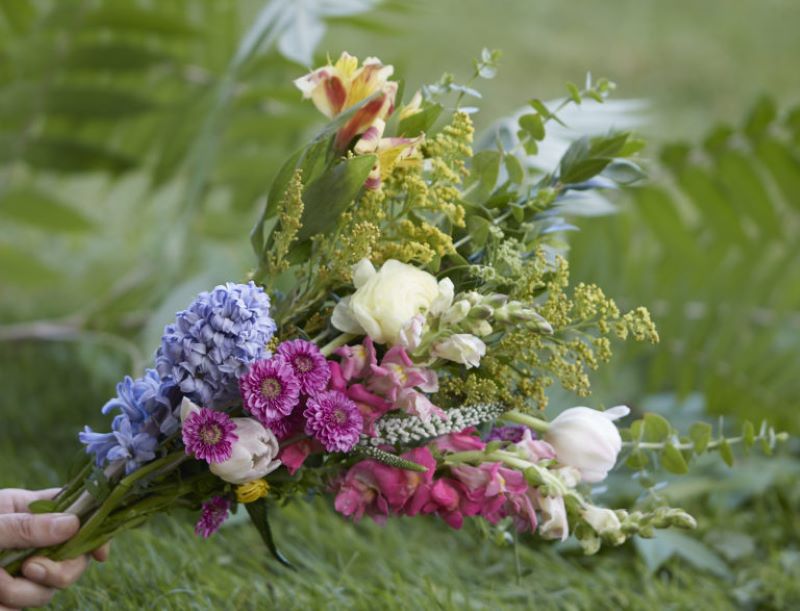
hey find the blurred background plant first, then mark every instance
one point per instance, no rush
(137, 140)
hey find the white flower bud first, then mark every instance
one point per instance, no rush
(456, 313)
(587, 439)
(554, 518)
(411, 333)
(460, 348)
(254, 454)
(603, 521)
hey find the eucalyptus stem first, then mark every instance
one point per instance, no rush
(712, 445)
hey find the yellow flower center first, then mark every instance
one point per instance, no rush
(252, 491)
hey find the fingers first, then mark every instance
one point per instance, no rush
(19, 592)
(20, 530)
(52, 574)
(101, 553)
(16, 500)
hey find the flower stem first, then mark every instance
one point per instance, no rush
(537, 424)
(336, 342)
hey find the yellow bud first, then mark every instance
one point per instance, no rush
(252, 491)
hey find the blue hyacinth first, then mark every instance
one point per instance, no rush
(147, 413)
(202, 355)
(214, 341)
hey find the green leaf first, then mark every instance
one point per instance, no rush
(31, 206)
(673, 461)
(478, 229)
(763, 113)
(574, 92)
(700, 433)
(532, 123)
(637, 460)
(114, 56)
(68, 155)
(656, 428)
(667, 544)
(95, 103)
(22, 269)
(484, 170)
(128, 17)
(516, 173)
(420, 122)
(259, 514)
(42, 506)
(624, 172)
(726, 452)
(328, 196)
(608, 146)
(748, 434)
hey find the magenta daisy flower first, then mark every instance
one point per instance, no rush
(334, 420)
(308, 363)
(209, 435)
(214, 513)
(270, 390)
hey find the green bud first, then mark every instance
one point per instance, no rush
(481, 312)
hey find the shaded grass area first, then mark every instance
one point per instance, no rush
(50, 390)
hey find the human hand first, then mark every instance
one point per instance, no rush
(19, 528)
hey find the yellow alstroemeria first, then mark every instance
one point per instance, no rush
(389, 151)
(413, 107)
(337, 87)
(252, 491)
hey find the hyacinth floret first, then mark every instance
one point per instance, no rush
(213, 342)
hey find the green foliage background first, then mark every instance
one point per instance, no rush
(136, 139)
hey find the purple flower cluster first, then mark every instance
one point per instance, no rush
(202, 354)
(215, 340)
(214, 513)
(146, 414)
(289, 394)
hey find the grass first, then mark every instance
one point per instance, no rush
(51, 390)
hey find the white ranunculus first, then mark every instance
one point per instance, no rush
(587, 439)
(461, 348)
(254, 454)
(387, 299)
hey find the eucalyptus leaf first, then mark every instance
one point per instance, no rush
(673, 461)
(656, 428)
(700, 434)
(34, 207)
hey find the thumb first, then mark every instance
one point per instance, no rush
(20, 530)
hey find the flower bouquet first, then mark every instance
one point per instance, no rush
(394, 344)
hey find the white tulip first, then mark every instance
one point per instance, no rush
(386, 299)
(587, 439)
(461, 348)
(253, 454)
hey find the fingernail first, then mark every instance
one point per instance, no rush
(35, 571)
(63, 526)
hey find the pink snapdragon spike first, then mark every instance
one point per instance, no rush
(417, 404)
(309, 365)
(294, 455)
(447, 496)
(371, 406)
(487, 487)
(270, 390)
(535, 450)
(209, 435)
(214, 513)
(357, 360)
(359, 494)
(396, 372)
(463, 441)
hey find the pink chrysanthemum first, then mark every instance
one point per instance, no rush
(209, 435)
(308, 363)
(334, 420)
(270, 390)
(215, 512)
